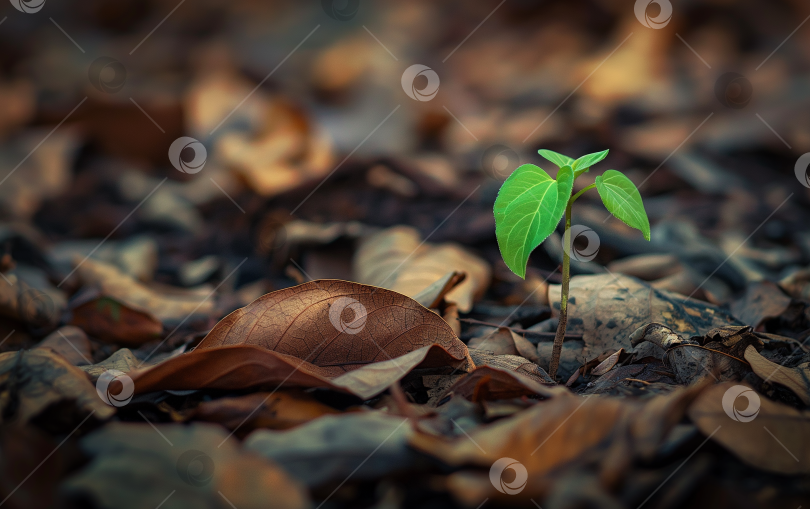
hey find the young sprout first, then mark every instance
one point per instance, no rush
(530, 204)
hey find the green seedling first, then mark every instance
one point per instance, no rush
(530, 205)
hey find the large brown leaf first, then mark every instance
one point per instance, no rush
(336, 324)
(244, 366)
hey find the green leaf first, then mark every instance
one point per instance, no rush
(582, 164)
(623, 200)
(558, 159)
(529, 206)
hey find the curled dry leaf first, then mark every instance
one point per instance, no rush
(122, 360)
(719, 354)
(40, 385)
(491, 383)
(776, 439)
(796, 379)
(169, 305)
(281, 409)
(504, 341)
(399, 260)
(71, 343)
(514, 363)
(112, 321)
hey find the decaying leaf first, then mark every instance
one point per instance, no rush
(514, 363)
(490, 383)
(71, 343)
(504, 341)
(122, 360)
(40, 385)
(282, 409)
(363, 445)
(563, 431)
(31, 300)
(796, 379)
(169, 305)
(719, 354)
(765, 434)
(399, 260)
(761, 301)
(177, 466)
(113, 321)
(607, 308)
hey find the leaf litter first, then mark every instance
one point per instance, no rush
(288, 330)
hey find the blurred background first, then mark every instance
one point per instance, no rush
(246, 146)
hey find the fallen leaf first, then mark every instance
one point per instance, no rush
(491, 383)
(167, 304)
(606, 309)
(796, 379)
(558, 433)
(504, 341)
(282, 409)
(71, 343)
(134, 465)
(775, 438)
(122, 360)
(248, 366)
(399, 260)
(719, 354)
(360, 446)
(335, 324)
(514, 363)
(31, 300)
(761, 301)
(113, 321)
(41, 386)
